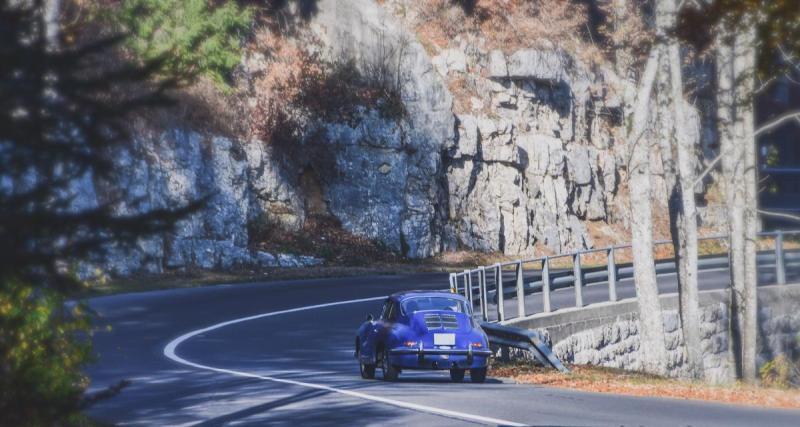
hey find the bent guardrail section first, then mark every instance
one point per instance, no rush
(523, 339)
(542, 279)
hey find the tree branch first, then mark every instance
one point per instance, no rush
(788, 58)
(640, 114)
(765, 85)
(707, 170)
(777, 122)
(780, 215)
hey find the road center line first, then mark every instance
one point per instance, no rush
(171, 348)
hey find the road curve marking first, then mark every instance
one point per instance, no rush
(171, 348)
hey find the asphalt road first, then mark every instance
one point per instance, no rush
(296, 367)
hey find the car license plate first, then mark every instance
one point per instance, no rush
(444, 339)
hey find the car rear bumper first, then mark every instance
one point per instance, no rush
(434, 358)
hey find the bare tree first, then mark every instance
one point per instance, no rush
(736, 63)
(652, 339)
(745, 71)
(748, 36)
(735, 118)
(678, 149)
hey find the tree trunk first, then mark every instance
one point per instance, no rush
(733, 181)
(678, 157)
(744, 74)
(687, 248)
(652, 341)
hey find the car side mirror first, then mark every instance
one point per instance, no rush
(370, 318)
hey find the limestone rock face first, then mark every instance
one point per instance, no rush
(541, 65)
(368, 192)
(529, 158)
(387, 186)
(539, 165)
(381, 177)
(173, 168)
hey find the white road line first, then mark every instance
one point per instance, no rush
(171, 348)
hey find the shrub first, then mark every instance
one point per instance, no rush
(339, 90)
(41, 357)
(192, 36)
(779, 372)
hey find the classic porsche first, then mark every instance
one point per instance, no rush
(423, 330)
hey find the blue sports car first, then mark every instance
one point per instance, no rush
(423, 330)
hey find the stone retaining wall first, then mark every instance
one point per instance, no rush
(607, 334)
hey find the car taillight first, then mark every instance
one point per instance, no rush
(477, 345)
(410, 343)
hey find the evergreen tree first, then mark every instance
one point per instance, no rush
(62, 113)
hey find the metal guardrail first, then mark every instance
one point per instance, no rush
(545, 280)
(523, 339)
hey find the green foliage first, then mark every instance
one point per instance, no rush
(41, 357)
(192, 36)
(773, 157)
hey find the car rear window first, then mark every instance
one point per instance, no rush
(414, 304)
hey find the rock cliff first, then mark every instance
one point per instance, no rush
(536, 159)
(501, 151)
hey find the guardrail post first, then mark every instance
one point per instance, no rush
(498, 278)
(612, 276)
(546, 284)
(466, 290)
(469, 288)
(780, 264)
(520, 291)
(577, 273)
(482, 290)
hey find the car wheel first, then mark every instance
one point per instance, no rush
(477, 375)
(457, 375)
(390, 373)
(367, 371)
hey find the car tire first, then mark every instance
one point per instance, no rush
(457, 375)
(390, 373)
(477, 375)
(367, 371)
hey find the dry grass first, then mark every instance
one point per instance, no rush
(463, 90)
(323, 236)
(506, 24)
(608, 380)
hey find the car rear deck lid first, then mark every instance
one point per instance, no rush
(441, 321)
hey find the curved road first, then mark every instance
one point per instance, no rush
(244, 355)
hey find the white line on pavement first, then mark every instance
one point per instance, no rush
(171, 348)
